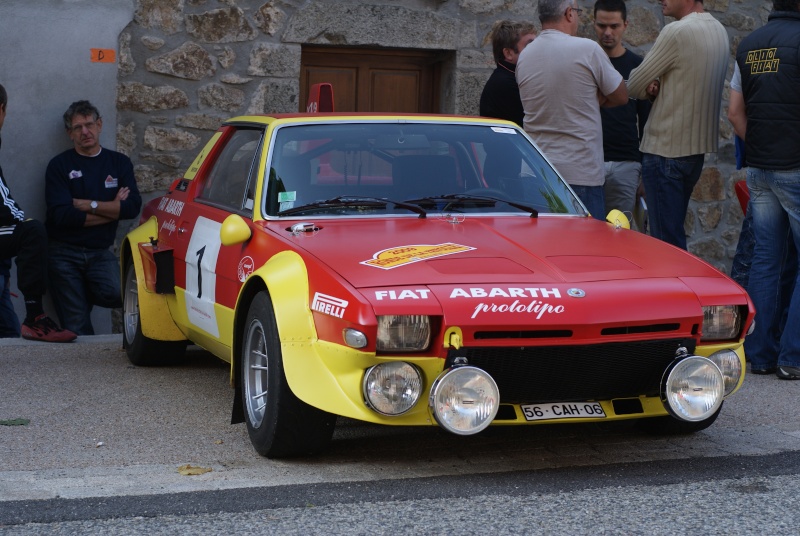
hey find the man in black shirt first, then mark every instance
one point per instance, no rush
(26, 240)
(622, 125)
(500, 96)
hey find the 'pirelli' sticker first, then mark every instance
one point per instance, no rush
(403, 255)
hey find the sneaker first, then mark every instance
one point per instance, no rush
(763, 371)
(44, 329)
(788, 373)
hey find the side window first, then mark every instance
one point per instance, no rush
(231, 182)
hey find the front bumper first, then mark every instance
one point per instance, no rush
(624, 378)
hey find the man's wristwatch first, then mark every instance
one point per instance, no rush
(93, 204)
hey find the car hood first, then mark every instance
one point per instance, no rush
(485, 269)
(546, 250)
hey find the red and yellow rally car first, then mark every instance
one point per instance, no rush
(420, 270)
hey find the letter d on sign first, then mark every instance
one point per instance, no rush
(103, 55)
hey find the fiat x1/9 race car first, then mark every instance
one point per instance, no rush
(420, 270)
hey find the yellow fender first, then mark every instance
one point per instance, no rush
(286, 278)
(323, 374)
(154, 313)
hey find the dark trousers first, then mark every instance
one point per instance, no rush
(28, 243)
(9, 322)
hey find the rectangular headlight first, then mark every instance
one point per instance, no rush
(403, 333)
(721, 322)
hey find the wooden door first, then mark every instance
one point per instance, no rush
(374, 80)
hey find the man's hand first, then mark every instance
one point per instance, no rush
(653, 88)
(84, 205)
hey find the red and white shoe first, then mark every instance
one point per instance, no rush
(44, 329)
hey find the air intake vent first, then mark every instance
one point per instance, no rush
(543, 334)
(653, 328)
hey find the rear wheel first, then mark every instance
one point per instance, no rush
(279, 424)
(143, 351)
(669, 425)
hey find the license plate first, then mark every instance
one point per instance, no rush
(563, 410)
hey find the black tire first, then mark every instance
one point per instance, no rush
(669, 425)
(143, 351)
(280, 425)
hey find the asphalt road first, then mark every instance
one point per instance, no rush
(104, 440)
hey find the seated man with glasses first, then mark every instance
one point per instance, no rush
(563, 81)
(88, 189)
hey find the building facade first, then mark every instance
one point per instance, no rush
(181, 67)
(186, 65)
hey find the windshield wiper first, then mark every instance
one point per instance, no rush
(353, 201)
(466, 198)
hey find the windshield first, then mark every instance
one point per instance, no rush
(324, 169)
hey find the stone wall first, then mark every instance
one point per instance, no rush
(186, 65)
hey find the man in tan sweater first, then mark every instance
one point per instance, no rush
(684, 73)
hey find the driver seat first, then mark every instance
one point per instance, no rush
(417, 175)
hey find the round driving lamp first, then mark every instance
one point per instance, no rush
(730, 366)
(464, 400)
(392, 388)
(692, 388)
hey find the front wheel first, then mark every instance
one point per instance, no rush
(280, 425)
(669, 425)
(143, 351)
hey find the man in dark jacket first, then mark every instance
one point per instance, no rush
(27, 241)
(769, 62)
(500, 96)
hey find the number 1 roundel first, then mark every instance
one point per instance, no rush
(201, 277)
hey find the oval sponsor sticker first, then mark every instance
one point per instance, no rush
(246, 266)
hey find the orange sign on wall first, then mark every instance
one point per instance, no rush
(103, 55)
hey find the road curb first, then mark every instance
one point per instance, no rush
(82, 339)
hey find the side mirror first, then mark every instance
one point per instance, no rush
(616, 218)
(234, 231)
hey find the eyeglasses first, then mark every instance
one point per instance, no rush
(79, 128)
(577, 10)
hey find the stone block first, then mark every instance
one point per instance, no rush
(227, 25)
(164, 15)
(189, 61)
(169, 139)
(137, 97)
(267, 59)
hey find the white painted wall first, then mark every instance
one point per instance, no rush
(46, 65)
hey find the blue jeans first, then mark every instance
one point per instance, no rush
(743, 258)
(81, 278)
(668, 185)
(9, 322)
(775, 204)
(593, 198)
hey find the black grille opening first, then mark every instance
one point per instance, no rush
(627, 406)
(506, 413)
(537, 374)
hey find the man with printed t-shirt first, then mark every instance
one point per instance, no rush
(88, 189)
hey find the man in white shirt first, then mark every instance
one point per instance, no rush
(563, 80)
